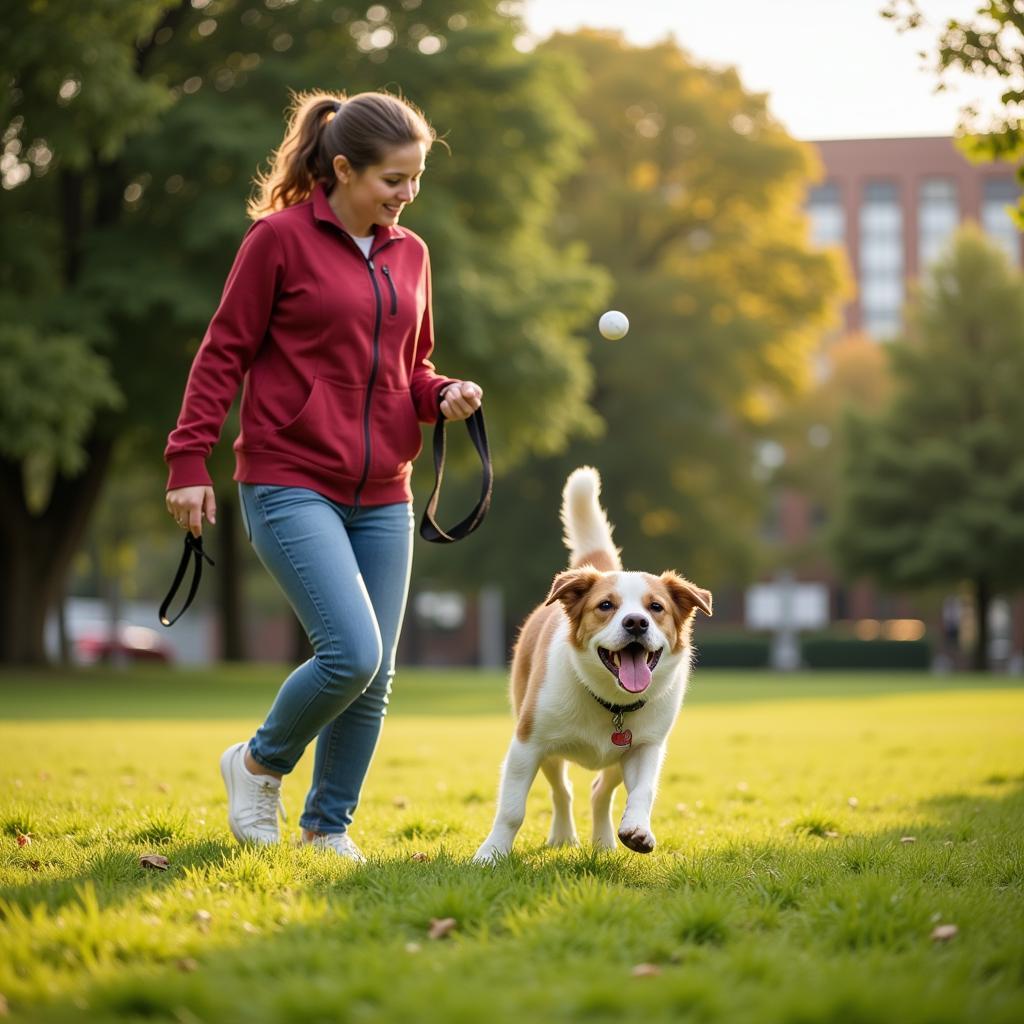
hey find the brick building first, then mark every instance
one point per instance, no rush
(892, 205)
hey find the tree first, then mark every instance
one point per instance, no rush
(690, 194)
(852, 373)
(991, 43)
(933, 488)
(132, 130)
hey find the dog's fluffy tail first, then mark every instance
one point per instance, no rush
(588, 534)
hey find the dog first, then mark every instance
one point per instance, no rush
(598, 677)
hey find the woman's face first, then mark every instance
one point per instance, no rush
(378, 193)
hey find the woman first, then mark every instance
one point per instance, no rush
(326, 315)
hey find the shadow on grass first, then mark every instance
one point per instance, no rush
(115, 872)
(814, 929)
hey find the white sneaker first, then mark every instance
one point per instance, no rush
(339, 842)
(253, 800)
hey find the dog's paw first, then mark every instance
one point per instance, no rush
(561, 837)
(638, 839)
(489, 854)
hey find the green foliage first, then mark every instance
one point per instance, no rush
(76, 87)
(689, 194)
(933, 488)
(53, 387)
(229, 69)
(989, 42)
(131, 132)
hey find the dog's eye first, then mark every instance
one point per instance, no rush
(605, 606)
(656, 607)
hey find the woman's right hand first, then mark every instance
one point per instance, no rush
(188, 505)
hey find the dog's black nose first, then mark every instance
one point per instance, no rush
(635, 624)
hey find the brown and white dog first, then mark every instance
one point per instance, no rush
(598, 677)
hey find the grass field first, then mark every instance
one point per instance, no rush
(814, 832)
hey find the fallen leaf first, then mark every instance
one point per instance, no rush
(646, 971)
(187, 965)
(163, 787)
(908, 839)
(412, 947)
(943, 932)
(420, 855)
(831, 834)
(24, 839)
(401, 801)
(154, 860)
(441, 926)
(203, 918)
(853, 801)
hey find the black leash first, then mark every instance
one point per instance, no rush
(194, 547)
(429, 530)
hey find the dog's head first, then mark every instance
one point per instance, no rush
(629, 621)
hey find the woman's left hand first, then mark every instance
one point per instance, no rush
(461, 399)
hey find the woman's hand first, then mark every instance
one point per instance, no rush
(460, 400)
(188, 505)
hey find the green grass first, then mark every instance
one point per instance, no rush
(782, 889)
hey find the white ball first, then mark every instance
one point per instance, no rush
(613, 325)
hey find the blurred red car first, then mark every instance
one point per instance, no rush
(93, 643)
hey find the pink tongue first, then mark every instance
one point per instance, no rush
(634, 674)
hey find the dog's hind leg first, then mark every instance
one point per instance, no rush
(563, 828)
(601, 805)
(517, 775)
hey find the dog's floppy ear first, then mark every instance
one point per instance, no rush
(687, 596)
(572, 586)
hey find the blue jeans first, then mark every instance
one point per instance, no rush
(345, 572)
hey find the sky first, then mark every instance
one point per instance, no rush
(832, 69)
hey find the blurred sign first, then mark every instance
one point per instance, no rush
(787, 605)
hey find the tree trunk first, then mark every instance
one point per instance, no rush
(36, 550)
(982, 600)
(230, 578)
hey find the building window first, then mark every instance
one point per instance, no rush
(1000, 195)
(938, 214)
(825, 208)
(881, 259)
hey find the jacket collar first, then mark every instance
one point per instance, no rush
(324, 212)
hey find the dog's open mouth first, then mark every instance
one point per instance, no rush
(632, 666)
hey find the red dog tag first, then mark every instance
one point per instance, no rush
(622, 739)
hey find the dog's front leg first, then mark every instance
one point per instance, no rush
(640, 769)
(517, 775)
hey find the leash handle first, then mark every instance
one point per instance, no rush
(194, 547)
(429, 528)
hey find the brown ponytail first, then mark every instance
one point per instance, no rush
(324, 125)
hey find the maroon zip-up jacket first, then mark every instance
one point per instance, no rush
(334, 351)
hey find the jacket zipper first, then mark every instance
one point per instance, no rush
(371, 268)
(394, 293)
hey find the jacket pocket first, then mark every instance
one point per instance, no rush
(328, 429)
(395, 438)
